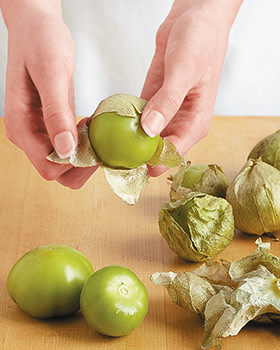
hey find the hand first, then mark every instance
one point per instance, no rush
(39, 103)
(182, 82)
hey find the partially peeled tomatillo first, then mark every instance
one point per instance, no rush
(120, 142)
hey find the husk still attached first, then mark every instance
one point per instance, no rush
(203, 178)
(228, 295)
(255, 198)
(125, 183)
(198, 226)
(268, 149)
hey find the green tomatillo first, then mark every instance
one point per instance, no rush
(114, 301)
(116, 134)
(47, 281)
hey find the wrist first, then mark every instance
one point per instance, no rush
(12, 10)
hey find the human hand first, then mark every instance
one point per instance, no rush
(39, 103)
(182, 82)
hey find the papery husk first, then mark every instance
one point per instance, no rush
(127, 183)
(213, 182)
(166, 154)
(268, 149)
(255, 198)
(122, 104)
(186, 289)
(210, 226)
(247, 291)
(227, 313)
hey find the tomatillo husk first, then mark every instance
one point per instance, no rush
(203, 178)
(198, 226)
(268, 149)
(228, 295)
(255, 198)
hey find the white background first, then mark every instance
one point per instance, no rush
(115, 43)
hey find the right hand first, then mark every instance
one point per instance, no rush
(39, 103)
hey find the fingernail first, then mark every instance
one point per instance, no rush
(153, 123)
(64, 144)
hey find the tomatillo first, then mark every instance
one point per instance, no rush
(47, 281)
(120, 142)
(114, 301)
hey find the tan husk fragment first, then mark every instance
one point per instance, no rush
(127, 184)
(242, 291)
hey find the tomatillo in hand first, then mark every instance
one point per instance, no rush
(47, 281)
(120, 142)
(114, 301)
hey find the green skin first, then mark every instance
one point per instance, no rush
(114, 301)
(120, 142)
(193, 175)
(47, 281)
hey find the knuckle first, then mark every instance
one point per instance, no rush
(161, 36)
(48, 174)
(172, 98)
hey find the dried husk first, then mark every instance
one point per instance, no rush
(208, 226)
(126, 183)
(268, 149)
(186, 289)
(212, 180)
(255, 198)
(123, 104)
(248, 290)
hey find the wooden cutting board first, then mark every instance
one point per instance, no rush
(94, 220)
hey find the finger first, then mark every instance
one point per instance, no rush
(181, 74)
(154, 78)
(54, 83)
(75, 178)
(24, 123)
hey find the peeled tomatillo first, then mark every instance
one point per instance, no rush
(120, 142)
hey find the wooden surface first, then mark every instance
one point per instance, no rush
(35, 212)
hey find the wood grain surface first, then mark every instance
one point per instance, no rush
(94, 220)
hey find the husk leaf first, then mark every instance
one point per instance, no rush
(186, 289)
(123, 104)
(255, 197)
(166, 154)
(210, 226)
(127, 183)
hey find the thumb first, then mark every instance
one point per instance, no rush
(168, 99)
(56, 90)
(59, 117)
